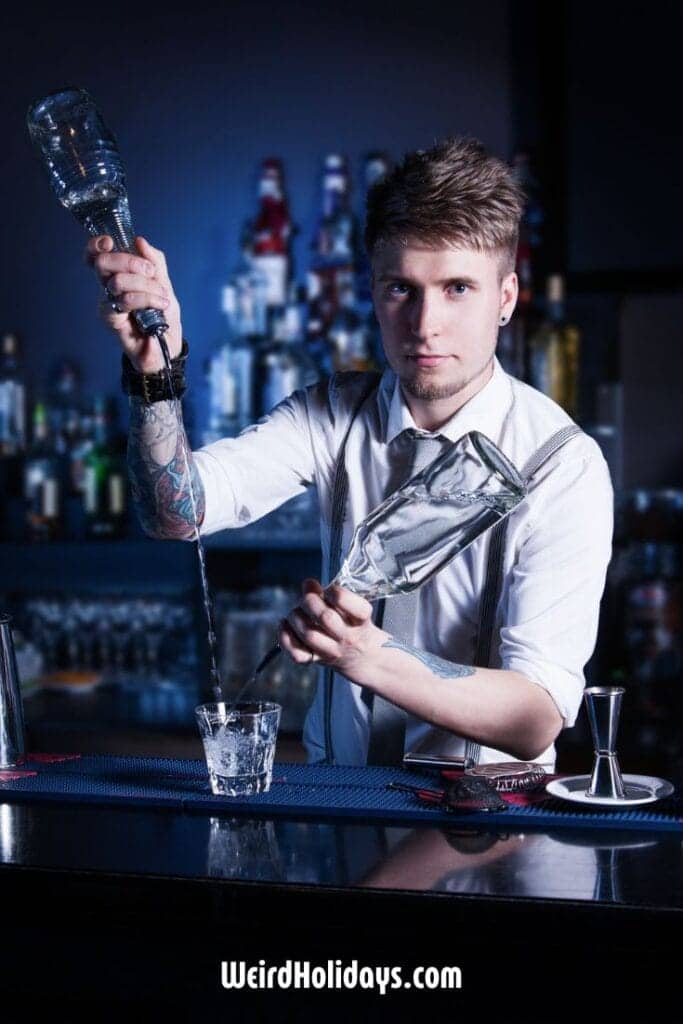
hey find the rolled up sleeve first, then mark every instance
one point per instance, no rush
(246, 477)
(550, 611)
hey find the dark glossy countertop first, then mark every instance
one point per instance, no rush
(618, 868)
(162, 896)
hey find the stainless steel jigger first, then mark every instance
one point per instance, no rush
(603, 704)
(11, 710)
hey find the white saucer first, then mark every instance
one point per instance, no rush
(638, 789)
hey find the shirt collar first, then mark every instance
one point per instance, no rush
(485, 411)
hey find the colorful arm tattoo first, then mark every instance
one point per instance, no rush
(159, 475)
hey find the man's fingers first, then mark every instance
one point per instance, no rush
(310, 635)
(128, 302)
(109, 263)
(323, 616)
(117, 321)
(155, 256)
(290, 643)
(94, 246)
(312, 586)
(353, 607)
(121, 284)
(301, 626)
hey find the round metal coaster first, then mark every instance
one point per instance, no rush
(638, 789)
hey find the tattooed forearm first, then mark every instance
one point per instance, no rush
(439, 666)
(158, 472)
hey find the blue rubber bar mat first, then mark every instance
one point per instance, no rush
(300, 790)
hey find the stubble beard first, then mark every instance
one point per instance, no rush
(431, 391)
(426, 390)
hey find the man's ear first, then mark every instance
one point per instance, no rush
(509, 290)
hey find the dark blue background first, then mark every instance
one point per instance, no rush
(196, 100)
(198, 97)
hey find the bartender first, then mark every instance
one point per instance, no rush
(441, 236)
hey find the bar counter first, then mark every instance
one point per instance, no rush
(112, 907)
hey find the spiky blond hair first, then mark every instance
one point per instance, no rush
(455, 193)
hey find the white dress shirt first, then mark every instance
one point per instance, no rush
(557, 549)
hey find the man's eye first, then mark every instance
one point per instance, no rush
(458, 288)
(396, 288)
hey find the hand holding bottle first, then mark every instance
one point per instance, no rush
(333, 626)
(133, 283)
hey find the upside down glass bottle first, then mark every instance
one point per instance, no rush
(83, 163)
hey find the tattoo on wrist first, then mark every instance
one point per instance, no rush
(159, 473)
(439, 666)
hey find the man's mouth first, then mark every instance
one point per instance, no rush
(427, 359)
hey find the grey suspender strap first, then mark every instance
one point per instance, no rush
(494, 567)
(386, 742)
(340, 490)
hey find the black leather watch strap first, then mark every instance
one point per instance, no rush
(154, 387)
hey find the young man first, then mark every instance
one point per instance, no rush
(441, 235)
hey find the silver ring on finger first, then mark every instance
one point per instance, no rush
(114, 303)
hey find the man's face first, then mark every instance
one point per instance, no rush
(439, 312)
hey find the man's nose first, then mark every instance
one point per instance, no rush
(426, 317)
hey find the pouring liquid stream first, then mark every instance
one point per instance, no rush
(215, 680)
(85, 170)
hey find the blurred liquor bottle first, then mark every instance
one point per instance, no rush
(82, 445)
(376, 166)
(12, 397)
(43, 482)
(223, 415)
(317, 319)
(65, 414)
(231, 367)
(334, 242)
(104, 480)
(12, 425)
(553, 355)
(348, 335)
(282, 362)
(606, 427)
(267, 238)
(513, 337)
(652, 629)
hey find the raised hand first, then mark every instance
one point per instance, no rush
(135, 282)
